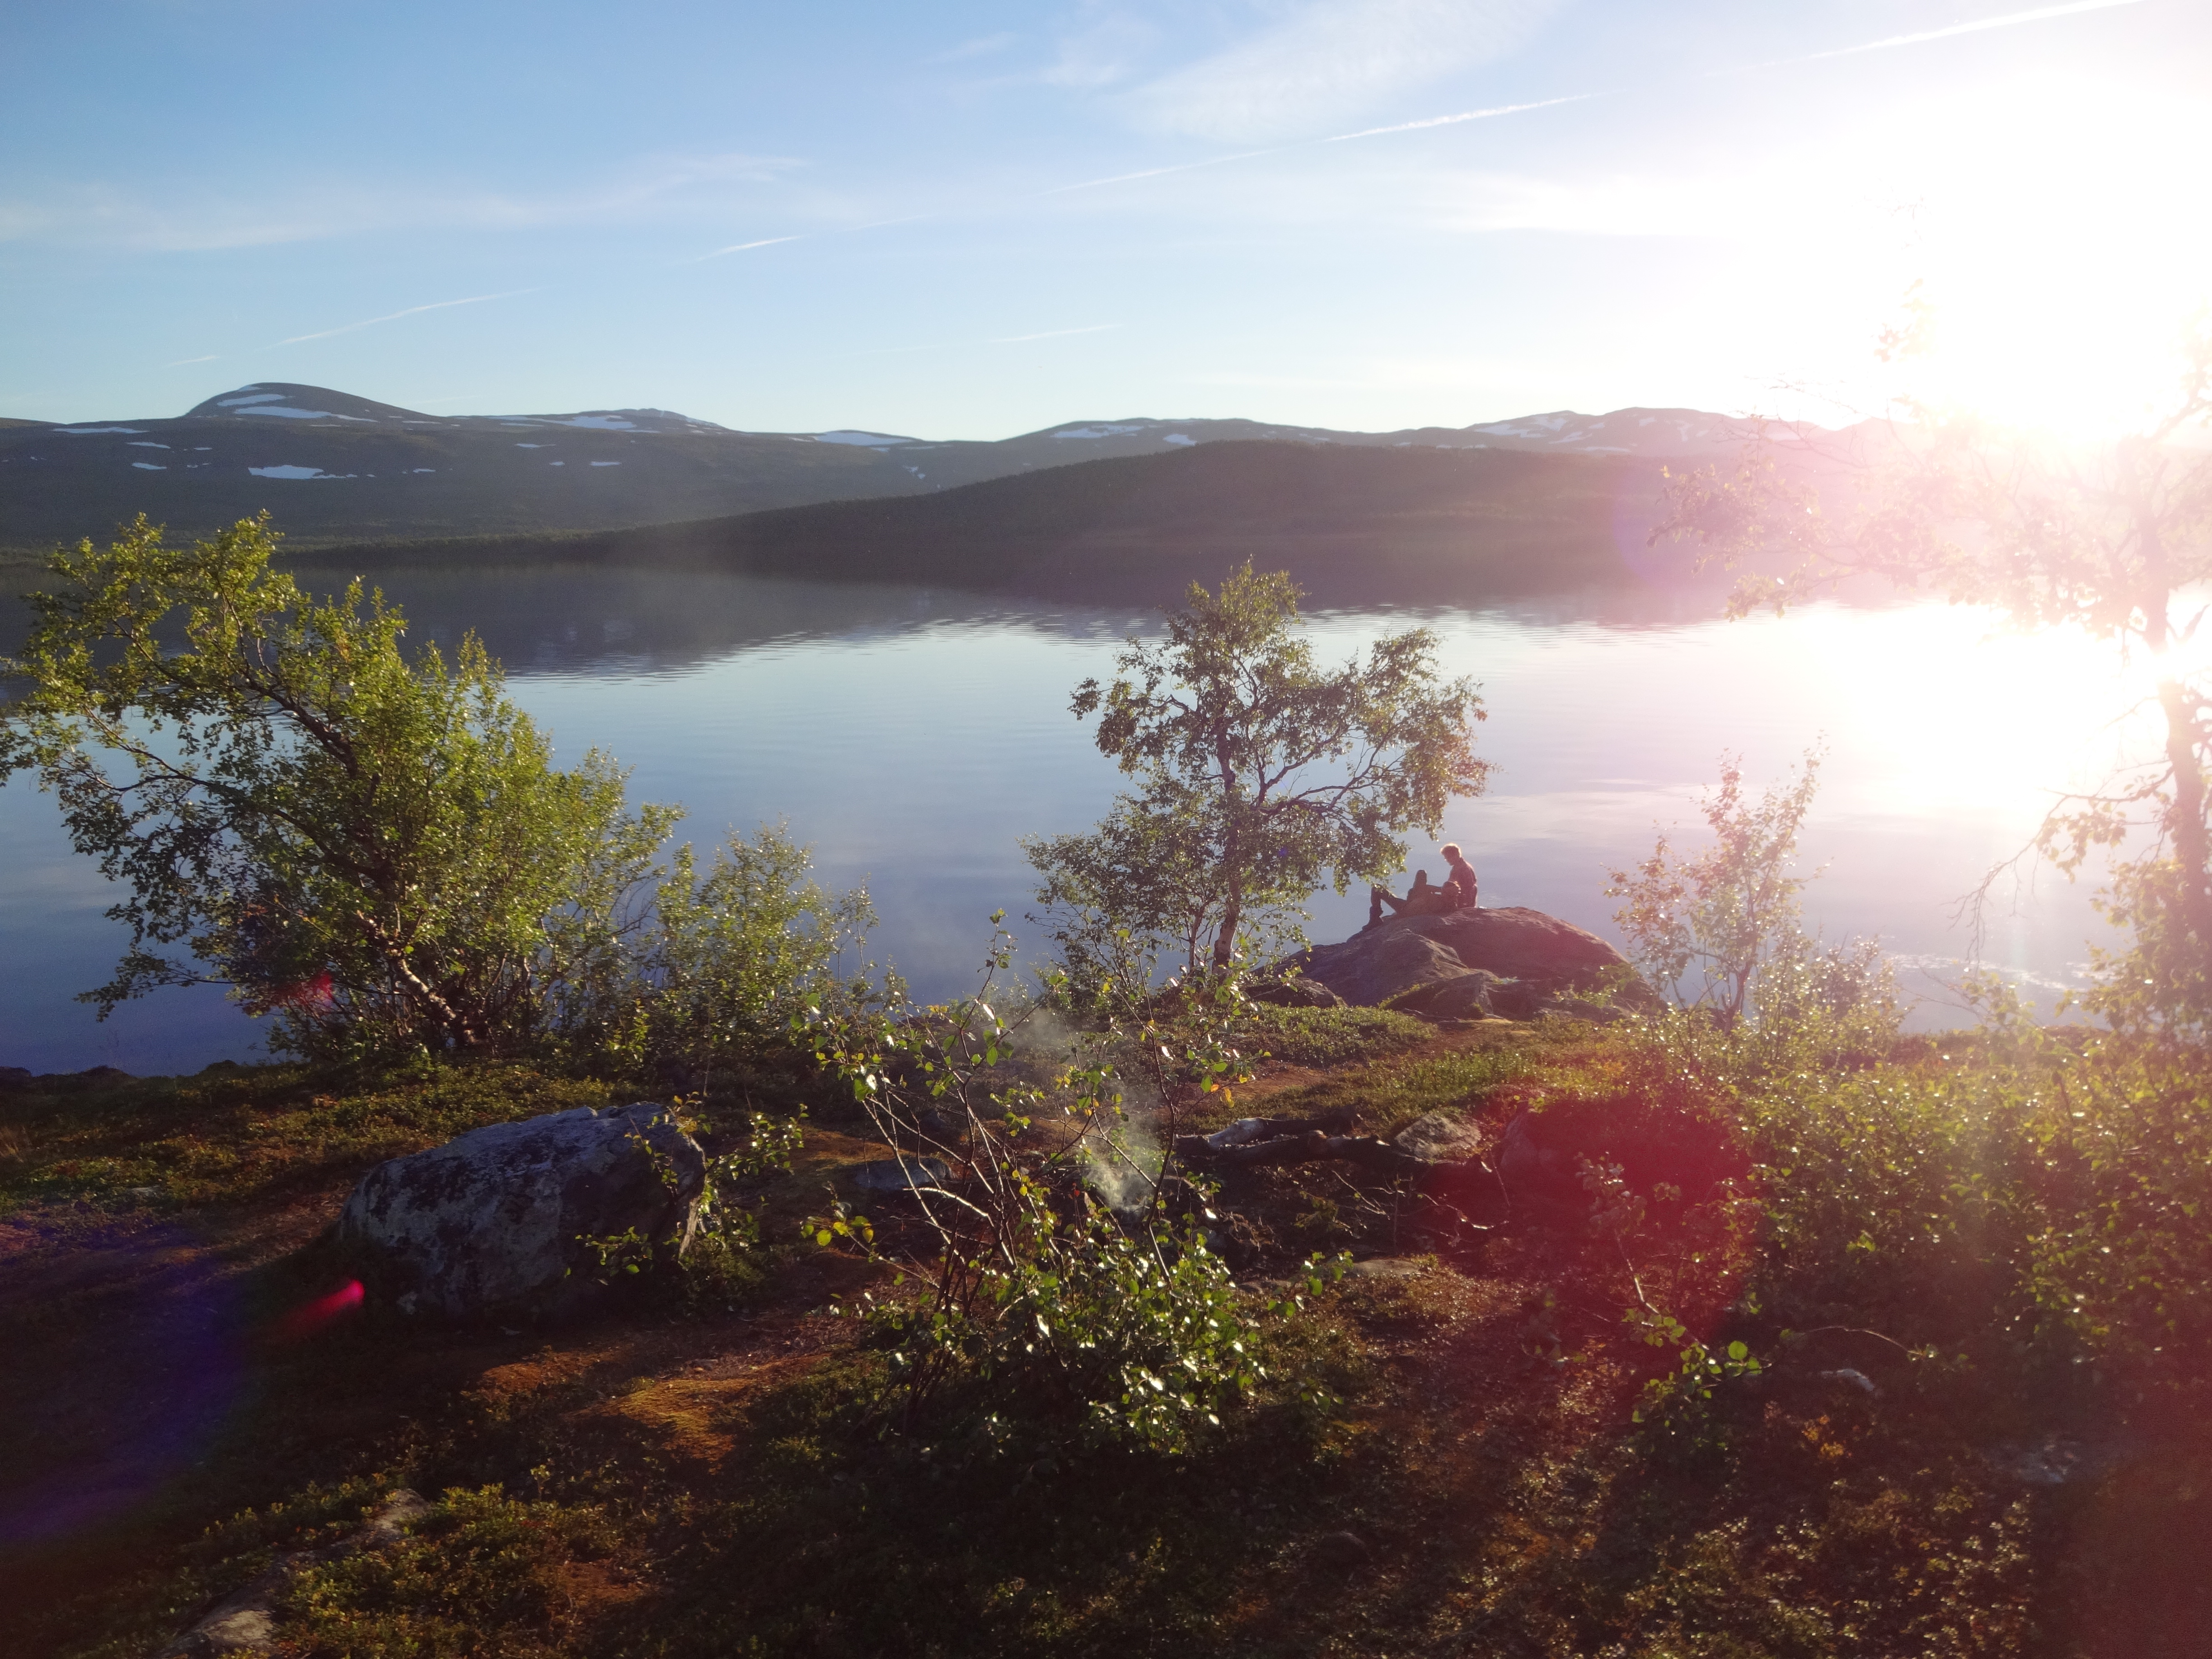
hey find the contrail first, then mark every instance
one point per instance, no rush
(1155, 172)
(412, 311)
(745, 247)
(2004, 22)
(1474, 115)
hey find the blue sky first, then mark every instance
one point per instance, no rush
(801, 218)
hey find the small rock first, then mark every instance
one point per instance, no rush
(399, 1510)
(2057, 1461)
(1386, 1266)
(1594, 1014)
(892, 1175)
(1340, 1552)
(1441, 1138)
(1296, 992)
(236, 1633)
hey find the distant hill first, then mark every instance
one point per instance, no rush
(337, 469)
(1353, 523)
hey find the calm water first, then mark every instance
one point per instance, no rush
(912, 736)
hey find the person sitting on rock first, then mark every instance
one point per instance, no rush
(1420, 899)
(1460, 885)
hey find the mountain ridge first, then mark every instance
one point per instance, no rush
(1353, 525)
(339, 469)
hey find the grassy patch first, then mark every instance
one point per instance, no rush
(1329, 1036)
(237, 1134)
(1388, 1091)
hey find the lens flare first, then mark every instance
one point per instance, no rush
(313, 1316)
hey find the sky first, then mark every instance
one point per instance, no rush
(974, 220)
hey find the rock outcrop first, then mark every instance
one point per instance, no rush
(1513, 962)
(499, 1218)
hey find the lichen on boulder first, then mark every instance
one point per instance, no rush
(501, 1219)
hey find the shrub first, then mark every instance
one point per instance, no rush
(371, 847)
(707, 986)
(1041, 1315)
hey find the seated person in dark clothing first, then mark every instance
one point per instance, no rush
(1420, 899)
(1460, 885)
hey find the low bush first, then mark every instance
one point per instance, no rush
(1036, 1316)
(484, 1576)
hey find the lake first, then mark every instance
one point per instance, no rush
(912, 736)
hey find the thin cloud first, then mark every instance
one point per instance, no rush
(2010, 19)
(1330, 59)
(1052, 334)
(412, 311)
(182, 361)
(656, 186)
(2007, 21)
(970, 345)
(981, 46)
(1338, 138)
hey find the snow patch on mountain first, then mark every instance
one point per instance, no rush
(304, 413)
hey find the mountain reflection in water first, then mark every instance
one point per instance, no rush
(913, 735)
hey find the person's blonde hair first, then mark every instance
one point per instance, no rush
(1451, 849)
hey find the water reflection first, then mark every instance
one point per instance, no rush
(913, 735)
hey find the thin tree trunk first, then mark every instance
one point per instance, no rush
(1232, 913)
(2186, 818)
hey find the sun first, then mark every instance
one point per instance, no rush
(2065, 259)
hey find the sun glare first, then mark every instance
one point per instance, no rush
(2066, 259)
(2054, 235)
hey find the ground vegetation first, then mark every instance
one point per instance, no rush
(1761, 1330)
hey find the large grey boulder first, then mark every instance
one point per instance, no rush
(498, 1219)
(1547, 959)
